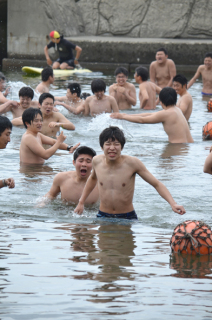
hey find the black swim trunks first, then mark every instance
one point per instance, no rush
(69, 62)
(129, 215)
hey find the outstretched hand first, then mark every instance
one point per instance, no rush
(178, 209)
(116, 115)
(74, 148)
(10, 183)
(61, 137)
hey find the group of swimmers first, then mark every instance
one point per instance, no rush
(109, 177)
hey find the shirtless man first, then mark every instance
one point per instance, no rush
(72, 99)
(205, 70)
(163, 69)
(208, 163)
(31, 149)
(99, 102)
(172, 118)
(5, 132)
(71, 184)
(115, 174)
(147, 89)
(3, 96)
(123, 91)
(52, 121)
(185, 102)
(47, 78)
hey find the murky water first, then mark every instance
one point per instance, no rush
(57, 265)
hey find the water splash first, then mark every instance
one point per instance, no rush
(15, 86)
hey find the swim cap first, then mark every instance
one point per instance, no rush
(54, 34)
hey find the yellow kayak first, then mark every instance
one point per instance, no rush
(57, 72)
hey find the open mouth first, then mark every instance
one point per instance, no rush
(83, 172)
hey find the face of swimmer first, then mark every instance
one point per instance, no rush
(83, 165)
(161, 57)
(25, 102)
(47, 106)
(5, 138)
(178, 87)
(208, 62)
(121, 79)
(112, 149)
(99, 95)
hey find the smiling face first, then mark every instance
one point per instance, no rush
(99, 95)
(25, 102)
(178, 87)
(5, 138)
(47, 106)
(83, 165)
(36, 124)
(161, 57)
(208, 62)
(112, 149)
(121, 79)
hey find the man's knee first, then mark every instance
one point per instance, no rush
(56, 65)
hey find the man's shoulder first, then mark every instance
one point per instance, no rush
(62, 176)
(97, 159)
(153, 63)
(170, 62)
(130, 85)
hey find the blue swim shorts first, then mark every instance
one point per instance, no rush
(129, 215)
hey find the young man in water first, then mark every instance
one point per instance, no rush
(115, 174)
(123, 91)
(52, 121)
(172, 118)
(5, 132)
(208, 163)
(147, 89)
(162, 70)
(99, 102)
(3, 96)
(31, 149)
(185, 102)
(64, 48)
(72, 99)
(205, 70)
(71, 184)
(47, 78)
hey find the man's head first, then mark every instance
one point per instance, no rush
(161, 55)
(47, 74)
(2, 82)
(208, 60)
(168, 96)
(5, 131)
(82, 160)
(32, 117)
(26, 94)
(112, 141)
(73, 90)
(98, 87)
(180, 83)
(46, 103)
(121, 75)
(141, 74)
(54, 36)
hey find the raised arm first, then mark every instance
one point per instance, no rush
(90, 185)
(60, 99)
(78, 50)
(49, 61)
(77, 110)
(3, 99)
(7, 106)
(142, 171)
(17, 121)
(155, 117)
(195, 77)
(52, 142)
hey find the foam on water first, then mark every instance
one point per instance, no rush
(15, 86)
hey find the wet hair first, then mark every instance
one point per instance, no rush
(5, 123)
(98, 85)
(181, 79)
(164, 50)
(26, 92)
(121, 70)
(84, 150)
(208, 55)
(2, 76)
(46, 73)
(168, 96)
(75, 88)
(143, 73)
(84, 95)
(29, 115)
(44, 96)
(112, 133)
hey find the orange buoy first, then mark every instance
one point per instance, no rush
(192, 237)
(207, 131)
(209, 105)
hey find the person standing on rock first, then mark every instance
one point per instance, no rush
(64, 47)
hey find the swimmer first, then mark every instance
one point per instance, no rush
(185, 102)
(5, 132)
(31, 149)
(64, 48)
(208, 163)
(115, 174)
(99, 102)
(205, 70)
(147, 89)
(71, 184)
(3, 92)
(123, 91)
(163, 69)
(47, 78)
(72, 100)
(172, 118)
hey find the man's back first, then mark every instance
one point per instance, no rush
(150, 89)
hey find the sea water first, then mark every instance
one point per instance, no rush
(58, 265)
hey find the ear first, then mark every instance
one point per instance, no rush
(74, 163)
